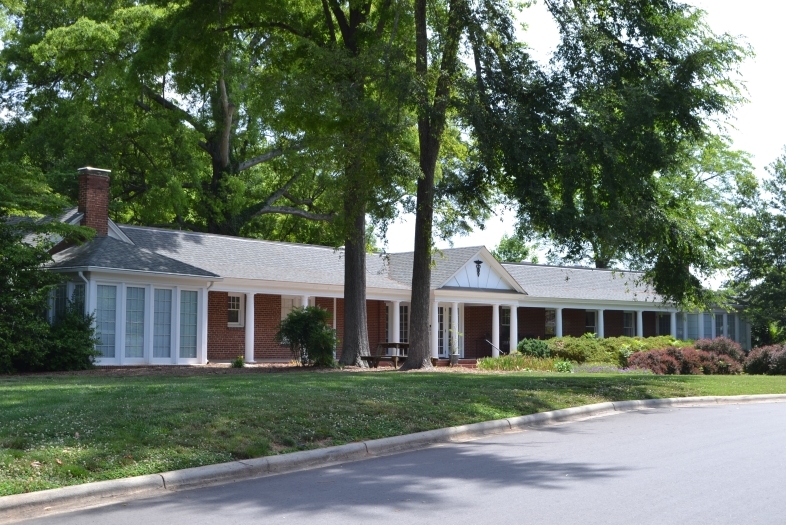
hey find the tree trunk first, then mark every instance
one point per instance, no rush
(431, 125)
(355, 342)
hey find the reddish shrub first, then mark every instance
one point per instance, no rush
(721, 345)
(766, 360)
(659, 361)
(691, 360)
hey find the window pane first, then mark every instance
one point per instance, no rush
(403, 331)
(629, 324)
(551, 322)
(135, 322)
(78, 297)
(162, 323)
(589, 322)
(441, 334)
(707, 326)
(732, 327)
(60, 301)
(680, 326)
(188, 324)
(106, 310)
(233, 309)
(664, 324)
(693, 326)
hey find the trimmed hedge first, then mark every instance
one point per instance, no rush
(612, 350)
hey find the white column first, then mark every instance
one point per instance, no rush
(495, 330)
(601, 326)
(435, 329)
(514, 327)
(639, 324)
(303, 301)
(714, 325)
(558, 317)
(120, 325)
(334, 313)
(725, 324)
(701, 325)
(454, 317)
(395, 326)
(176, 324)
(202, 349)
(673, 324)
(249, 357)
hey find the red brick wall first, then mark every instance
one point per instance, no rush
(94, 201)
(532, 323)
(649, 321)
(574, 322)
(222, 342)
(376, 321)
(613, 323)
(477, 328)
(267, 316)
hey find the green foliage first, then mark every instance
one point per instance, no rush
(513, 249)
(612, 350)
(564, 367)
(308, 335)
(517, 363)
(72, 341)
(534, 347)
(238, 362)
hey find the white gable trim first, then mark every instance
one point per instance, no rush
(493, 276)
(116, 233)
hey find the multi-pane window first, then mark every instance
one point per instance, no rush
(188, 324)
(590, 322)
(162, 323)
(403, 327)
(106, 318)
(235, 310)
(441, 335)
(693, 326)
(135, 322)
(707, 326)
(718, 325)
(78, 297)
(551, 322)
(680, 326)
(732, 326)
(504, 316)
(629, 324)
(60, 301)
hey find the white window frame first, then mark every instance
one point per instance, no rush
(550, 325)
(200, 297)
(241, 314)
(119, 322)
(593, 328)
(174, 318)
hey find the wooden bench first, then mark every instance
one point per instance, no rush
(374, 360)
(399, 356)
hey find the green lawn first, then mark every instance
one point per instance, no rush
(58, 430)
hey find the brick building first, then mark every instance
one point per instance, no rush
(172, 297)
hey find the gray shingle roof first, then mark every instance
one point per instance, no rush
(242, 258)
(564, 282)
(109, 253)
(446, 263)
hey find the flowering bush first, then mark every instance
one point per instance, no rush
(685, 361)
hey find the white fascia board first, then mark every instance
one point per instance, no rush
(138, 276)
(480, 297)
(235, 285)
(589, 304)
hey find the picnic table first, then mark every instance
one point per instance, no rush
(381, 354)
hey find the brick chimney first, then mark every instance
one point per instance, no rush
(94, 198)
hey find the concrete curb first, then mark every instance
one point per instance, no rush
(46, 502)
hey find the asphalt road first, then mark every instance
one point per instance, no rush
(722, 464)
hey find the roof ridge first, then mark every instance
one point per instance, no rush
(571, 267)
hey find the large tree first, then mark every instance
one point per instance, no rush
(633, 86)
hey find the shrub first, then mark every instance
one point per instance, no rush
(767, 360)
(517, 362)
(309, 337)
(658, 361)
(238, 362)
(612, 350)
(534, 347)
(563, 366)
(721, 345)
(72, 341)
(778, 362)
(577, 349)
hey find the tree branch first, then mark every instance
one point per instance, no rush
(329, 21)
(176, 109)
(287, 210)
(270, 155)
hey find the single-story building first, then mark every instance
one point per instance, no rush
(165, 296)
